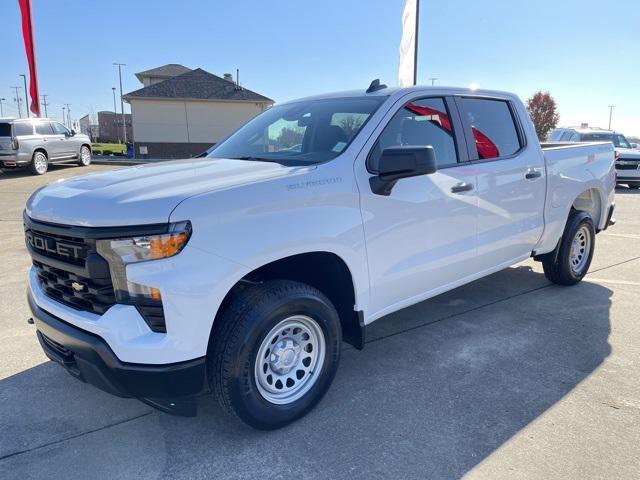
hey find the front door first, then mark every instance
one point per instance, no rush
(420, 239)
(64, 147)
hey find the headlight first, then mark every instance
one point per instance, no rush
(120, 252)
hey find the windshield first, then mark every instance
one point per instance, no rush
(615, 138)
(620, 141)
(301, 133)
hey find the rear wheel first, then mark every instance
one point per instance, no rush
(274, 352)
(575, 253)
(39, 163)
(85, 156)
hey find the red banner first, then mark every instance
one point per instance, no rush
(27, 34)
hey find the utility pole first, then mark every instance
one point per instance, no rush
(433, 80)
(115, 113)
(124, 125)
(26, 96)
(63, 115)
(1, 111)
(68, 122)
(44, 104)
(18, 100)
(610, 114)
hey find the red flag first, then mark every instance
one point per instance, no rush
(27, 34)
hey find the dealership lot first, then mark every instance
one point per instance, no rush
(509, 376)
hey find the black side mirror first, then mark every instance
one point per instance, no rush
(73, 132)
(402, 162)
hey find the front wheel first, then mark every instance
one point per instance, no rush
(575, 253)
(84, 159)
(274, 352)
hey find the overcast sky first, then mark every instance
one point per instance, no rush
(585, 53)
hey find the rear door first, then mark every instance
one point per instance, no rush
(47, 138)
(511, 185)
(420, 239)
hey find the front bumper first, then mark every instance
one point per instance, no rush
(87, 357)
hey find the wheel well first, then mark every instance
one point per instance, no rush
(40, 150)
(589, 201)
(86, 145)
(322, 270)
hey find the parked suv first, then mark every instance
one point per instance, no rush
(37, 142)
(627, 156)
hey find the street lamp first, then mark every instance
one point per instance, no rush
(26, 98)
(1, 111)
(433, 80)
(124, 125)
(610, 114)
(115, 113)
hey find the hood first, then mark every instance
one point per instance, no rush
(628, 153)
(143, 194)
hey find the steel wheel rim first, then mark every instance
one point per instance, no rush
(580, 248)
(85, 156)
(289, 359)
(40, 162)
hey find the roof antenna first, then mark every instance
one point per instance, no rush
(375, 86)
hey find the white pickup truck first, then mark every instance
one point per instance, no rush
(241, 273)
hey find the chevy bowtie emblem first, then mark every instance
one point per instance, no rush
(78, 287)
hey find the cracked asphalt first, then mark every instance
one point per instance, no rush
(507, 377)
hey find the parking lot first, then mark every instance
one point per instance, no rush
(507, 377)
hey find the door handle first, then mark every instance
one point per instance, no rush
(533, 174)
(461, 187)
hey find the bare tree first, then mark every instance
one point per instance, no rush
(351, 124)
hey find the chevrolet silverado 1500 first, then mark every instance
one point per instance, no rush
(241, 273)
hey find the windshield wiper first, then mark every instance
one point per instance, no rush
(257, 159)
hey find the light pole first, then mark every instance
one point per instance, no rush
(124, 125)
(433, 80)
(63, 116)
(68, 115)
(44, 104)
(18, 100)
(115, 113)
(610, 114)
(26, 98)
(1, 111)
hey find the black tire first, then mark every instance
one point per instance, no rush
(39, 163)
(241, 331)
(81, 162)
(633, 186)
(559, 269)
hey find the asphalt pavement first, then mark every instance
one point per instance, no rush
(507, 377)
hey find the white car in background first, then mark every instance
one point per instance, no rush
(627, 153)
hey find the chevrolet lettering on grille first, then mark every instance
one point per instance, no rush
(50, 245)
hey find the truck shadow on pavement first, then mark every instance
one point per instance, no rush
(438, 388)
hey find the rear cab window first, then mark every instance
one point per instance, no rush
(419, 122)
(493, 127)
(22, 128)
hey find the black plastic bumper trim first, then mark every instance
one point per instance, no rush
(90, 359)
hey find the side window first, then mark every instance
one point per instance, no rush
(22, 128)
(59, 129)
(493, 127)
(574, 137)
(419, 122)
(554, 136)
(44, 128)
(566, 136)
